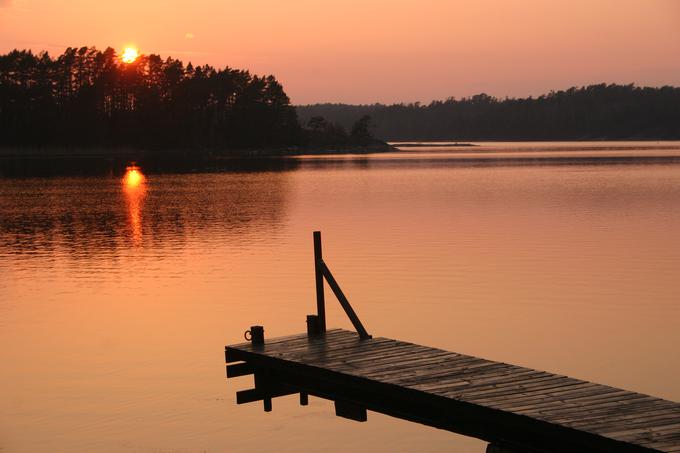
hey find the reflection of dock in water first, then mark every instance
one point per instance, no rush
(513, 408)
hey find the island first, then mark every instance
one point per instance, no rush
(87, 104)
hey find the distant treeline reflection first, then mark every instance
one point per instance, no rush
(592, 112)
(95, 216)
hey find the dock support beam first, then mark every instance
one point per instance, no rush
(356, 322)
(317, 324)
(350, 411)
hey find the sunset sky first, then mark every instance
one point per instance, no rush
(378, 51)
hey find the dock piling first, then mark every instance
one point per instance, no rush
(320, 302)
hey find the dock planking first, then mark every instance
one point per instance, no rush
(515, 409)
(497, 402)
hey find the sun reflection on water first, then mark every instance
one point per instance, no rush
(134, 187)
(133, 176)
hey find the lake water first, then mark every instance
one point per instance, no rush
(117, 298)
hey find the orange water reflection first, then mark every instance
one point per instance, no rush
(134, 187)
(569, 269)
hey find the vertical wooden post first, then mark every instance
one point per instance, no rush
(263, 383)
(312, 325)
(320, 302)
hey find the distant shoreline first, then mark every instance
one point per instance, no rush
(49, 161)
(593, 112)
(67, 152)
(431, 145)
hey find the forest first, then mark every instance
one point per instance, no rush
(91, 98)
(595, 112)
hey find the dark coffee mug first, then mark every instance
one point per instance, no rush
(255, 334)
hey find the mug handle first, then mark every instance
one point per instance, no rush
(246, 334)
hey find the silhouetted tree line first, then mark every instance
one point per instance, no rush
(86, 97)
(592, 112)
(320, 132)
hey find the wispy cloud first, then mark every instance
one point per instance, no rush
(187, 56)
(182, 52)
(14, 6)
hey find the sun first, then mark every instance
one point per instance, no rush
(129, 55)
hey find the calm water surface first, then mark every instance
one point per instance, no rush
(116, 299)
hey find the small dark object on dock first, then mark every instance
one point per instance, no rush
(513, 408)
(256, 334)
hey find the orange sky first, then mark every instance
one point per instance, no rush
(384, 51)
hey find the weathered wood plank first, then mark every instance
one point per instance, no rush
(662, 424)
(514, 393)
(636, 408)
(389, 363)
(566, 404)
(385, 352)
(239, 369)
(493, 401)
(332, 339)
(571, 389)
(440, 370)
(557, 396)
(477, 373)
(505, 382)
(338, 347)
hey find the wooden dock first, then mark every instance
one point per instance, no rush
(513, 408)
